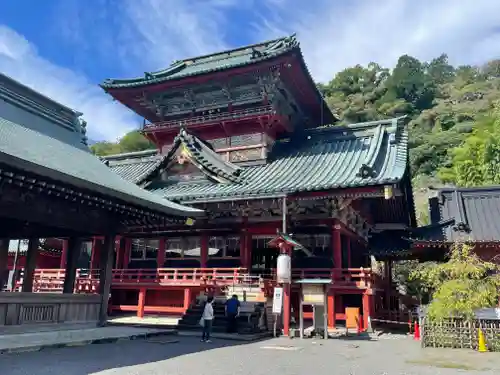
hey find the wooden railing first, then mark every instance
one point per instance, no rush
(181, 276)
(359, 277)
(211, 118)
(87, 281)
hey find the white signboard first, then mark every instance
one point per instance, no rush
(277, 300)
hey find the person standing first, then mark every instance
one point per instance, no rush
(232, 312)
(207, 319)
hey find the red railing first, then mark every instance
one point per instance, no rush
(87, 281)
(181, 276)
(212, 118)
(348, 277)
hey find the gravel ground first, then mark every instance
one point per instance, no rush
(187, 356)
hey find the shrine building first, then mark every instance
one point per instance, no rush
(245, 136)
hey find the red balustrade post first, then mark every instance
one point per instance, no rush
(160, 257)
(336, 246)
(204, 250)
(141, 303)
(64, 254)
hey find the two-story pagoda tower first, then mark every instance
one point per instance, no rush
(245, 135)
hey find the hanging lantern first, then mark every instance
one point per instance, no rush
(284, 269)
(388, 192)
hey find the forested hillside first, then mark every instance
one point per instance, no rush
(454, 116)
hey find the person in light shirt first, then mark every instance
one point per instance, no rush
(206, 318)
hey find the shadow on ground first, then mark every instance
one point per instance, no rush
(91, 359)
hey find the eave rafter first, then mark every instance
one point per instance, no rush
(53, 198)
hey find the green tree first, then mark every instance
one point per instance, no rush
(130, 142)
(135, 141)
(409, 81)
(461, 285)
(439, 70)
(477, 161)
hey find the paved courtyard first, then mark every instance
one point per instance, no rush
(187, 356)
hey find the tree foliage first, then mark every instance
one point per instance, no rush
(130, 142)
(449, 108)
(461, 285)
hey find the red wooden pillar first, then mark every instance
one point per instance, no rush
(141, 303)
(286, 309)
(187, 299)
(336, 246)
(204, 250)
(160, 257)
(286, 299)
(64, 254)
(128, 250)
(331, 309)
(367, 310)
(96, 253)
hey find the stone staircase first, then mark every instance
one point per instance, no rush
(252, 317)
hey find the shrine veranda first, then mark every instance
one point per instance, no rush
(245, 136)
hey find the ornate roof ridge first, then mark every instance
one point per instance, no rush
(275, 47)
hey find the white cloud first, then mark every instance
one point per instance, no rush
(142, 35)
(162, 31)
(338, 34)
(20, 60)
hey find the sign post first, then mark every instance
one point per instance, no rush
(277, 306)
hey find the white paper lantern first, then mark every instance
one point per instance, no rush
(284, 269)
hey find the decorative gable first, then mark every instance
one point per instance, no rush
(189, 158)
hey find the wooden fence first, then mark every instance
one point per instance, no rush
(460, 333)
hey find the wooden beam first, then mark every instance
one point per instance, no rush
(4, 257)
(74, 247)
(32, 207)
(29, 269)
(105, 276)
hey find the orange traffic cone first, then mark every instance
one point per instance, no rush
(416, 334)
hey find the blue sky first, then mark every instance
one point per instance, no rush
(64, 48)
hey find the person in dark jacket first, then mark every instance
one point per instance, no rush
(232, 312)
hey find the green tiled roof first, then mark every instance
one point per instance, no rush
(32, 151)
(366, 154)
(205, 64)
(135, 167)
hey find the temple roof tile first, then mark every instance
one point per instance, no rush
(312, 160)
